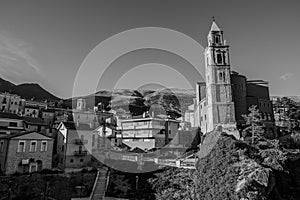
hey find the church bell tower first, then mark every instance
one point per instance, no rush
(220, 105)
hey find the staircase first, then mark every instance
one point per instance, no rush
(100, 184)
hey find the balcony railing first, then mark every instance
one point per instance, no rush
(80, 153)
(80, 141)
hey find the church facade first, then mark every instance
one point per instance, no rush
(225, 95)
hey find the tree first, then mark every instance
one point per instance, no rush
(253, 120)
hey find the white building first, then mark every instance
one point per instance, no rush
(147, 133)
(11, 103)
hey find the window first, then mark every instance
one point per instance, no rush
(217, 39)
(219, 58)
(222, 76)
(32, 146)
(1, 145)
(81, 160)
(62, 148)
(71, 160)
(21, 146)
(44, 146)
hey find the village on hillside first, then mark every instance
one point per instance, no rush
(86, 147)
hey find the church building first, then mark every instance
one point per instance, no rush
(225, 95)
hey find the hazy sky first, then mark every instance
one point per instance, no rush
(47, 41)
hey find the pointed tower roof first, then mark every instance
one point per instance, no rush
(214, 26)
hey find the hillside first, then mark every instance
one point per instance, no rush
(5, 85)
(232, 170)
(27, 91)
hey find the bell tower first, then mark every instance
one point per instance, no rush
(220, 106)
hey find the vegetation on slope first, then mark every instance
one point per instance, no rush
(232, 170)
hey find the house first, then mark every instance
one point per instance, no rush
(147, 132)
(10, 123)
(31, 111)
(74, 145)
(108, 141)
(35, 124)
(48, 115)
(25, 152)
(85, 116)
(11, 103)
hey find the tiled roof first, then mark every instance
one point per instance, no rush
(33, 120)
(9, 115)
(19, 134)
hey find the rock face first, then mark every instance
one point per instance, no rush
(228, 170)
(251, 173)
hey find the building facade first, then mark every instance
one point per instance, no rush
(74, 145)
(11, 123)
(148, 133)
(11, 103)
(252, 92)
(214, 105)
(25, 152)
(225, 96)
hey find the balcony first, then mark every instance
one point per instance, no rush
(80, 153)
(80, 141)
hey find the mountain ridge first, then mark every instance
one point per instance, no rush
(27, 91)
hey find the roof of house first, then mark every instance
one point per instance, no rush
(33, 120)
(20, 134)
(9, 115)
(74, 126)
(11, 128)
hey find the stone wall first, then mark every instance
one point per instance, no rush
(14, 158)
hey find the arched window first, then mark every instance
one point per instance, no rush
(217, 39)
(219, 58)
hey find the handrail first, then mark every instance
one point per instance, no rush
(95, 183)
(107, 181)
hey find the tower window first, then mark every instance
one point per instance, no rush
(219, 58)
(222, 76)
(217, 39)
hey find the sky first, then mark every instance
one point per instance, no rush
(49, 42)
